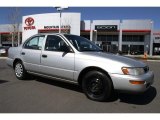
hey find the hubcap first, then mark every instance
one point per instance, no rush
(19, 70)
(95, 86)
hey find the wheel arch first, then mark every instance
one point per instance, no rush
(91, 68)
(16, 60)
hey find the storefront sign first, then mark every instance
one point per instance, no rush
(156, 39)
(57, 27)
(29, 23)
(106, 27)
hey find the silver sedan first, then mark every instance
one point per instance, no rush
(77, 60)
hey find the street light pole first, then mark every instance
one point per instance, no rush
(60, 15)
(151, 39)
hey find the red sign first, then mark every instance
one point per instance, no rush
(29, 22)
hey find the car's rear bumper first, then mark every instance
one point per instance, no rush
(122, 82)
(10, 62)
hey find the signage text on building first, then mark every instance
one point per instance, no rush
(57, 27)
(106, 27)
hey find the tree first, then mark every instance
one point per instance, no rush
(14, 18)
(66, 23)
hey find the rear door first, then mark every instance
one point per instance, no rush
(55, 61)
(31, 53)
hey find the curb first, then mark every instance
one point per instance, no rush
(153, 60)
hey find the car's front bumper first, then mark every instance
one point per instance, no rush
(122, 82)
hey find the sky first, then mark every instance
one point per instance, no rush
(92, 13)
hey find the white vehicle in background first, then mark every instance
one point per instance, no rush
(2, 50)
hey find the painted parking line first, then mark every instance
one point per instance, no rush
(3, 57)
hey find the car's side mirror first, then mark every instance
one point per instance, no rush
(66, 48)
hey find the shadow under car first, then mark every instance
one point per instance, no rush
(137, 99)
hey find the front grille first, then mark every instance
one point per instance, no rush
(146, 69)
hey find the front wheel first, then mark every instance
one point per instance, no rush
(20, 71)
(97, 86)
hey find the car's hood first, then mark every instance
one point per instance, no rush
(108, 57)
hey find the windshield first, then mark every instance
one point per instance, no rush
(82, 44)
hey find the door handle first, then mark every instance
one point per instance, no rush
(22, 53)
(44, 56)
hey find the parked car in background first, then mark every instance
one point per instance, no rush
(77, 60)
(4, 50)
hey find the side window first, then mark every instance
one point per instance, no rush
(84, 46)
(34, 43)
(54, 43)
(40, 42)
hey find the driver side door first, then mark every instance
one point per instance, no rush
(55, 61)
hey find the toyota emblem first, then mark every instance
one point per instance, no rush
(29, 21)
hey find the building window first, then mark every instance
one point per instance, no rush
(101, 38)
(125, 49)
(137, 49)
(86, 36)
(133, 38)
(133, 49)
(129, 38)
(107, 38)
(141, 38)
(115, 38)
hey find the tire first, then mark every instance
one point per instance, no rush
(97, 86)
(20, 71)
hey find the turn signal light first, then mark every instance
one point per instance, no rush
(136, 82)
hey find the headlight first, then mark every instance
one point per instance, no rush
(133, 71)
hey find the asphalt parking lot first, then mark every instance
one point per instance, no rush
(40, 95)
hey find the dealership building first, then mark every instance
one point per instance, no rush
(128, 36)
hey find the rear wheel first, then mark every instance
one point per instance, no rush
(20, 71)
(97, 86)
